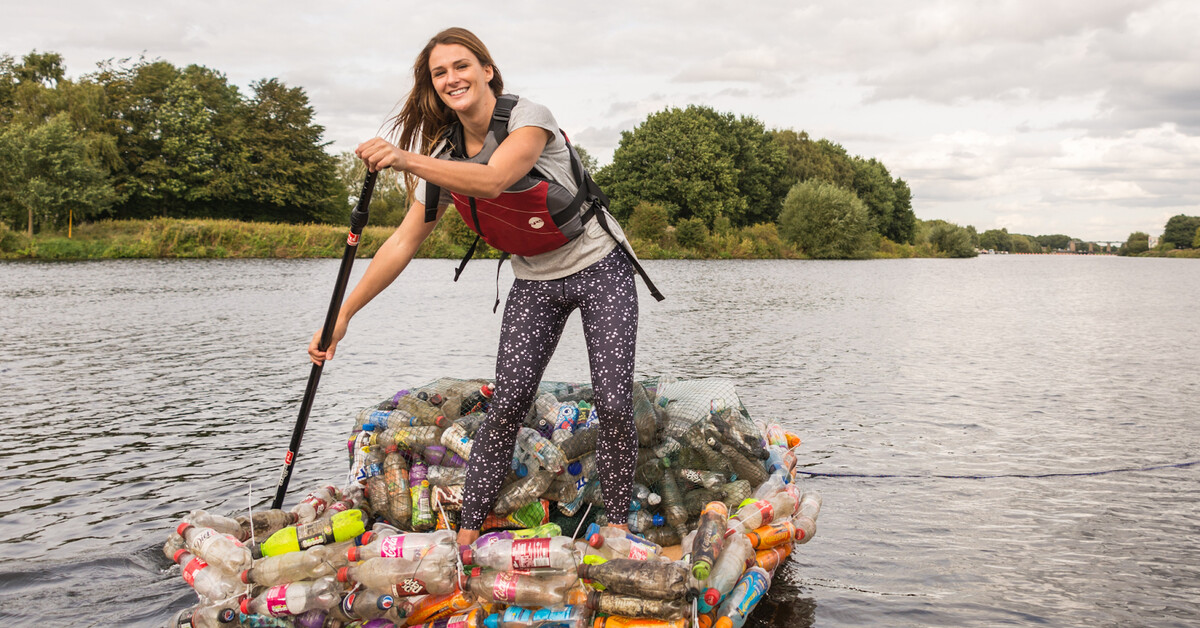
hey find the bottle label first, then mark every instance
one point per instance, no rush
(504, 587)
(410, 586)
(531, 553)
(765, 508)
(749, 591)
(770, 536)
(518, 614)
(189, 572)
(277, 600)
(461, 621)
(637, 551)
(314, 533)
(392, 547)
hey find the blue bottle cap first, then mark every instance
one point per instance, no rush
(575, 468)
(522, 470)
(658, 520)
(492, 621)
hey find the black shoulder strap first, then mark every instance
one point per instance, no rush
(452, 137)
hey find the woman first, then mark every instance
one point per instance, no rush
(457, 87)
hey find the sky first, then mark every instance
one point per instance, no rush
(1040, 117)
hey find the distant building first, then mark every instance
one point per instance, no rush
(1154, 241)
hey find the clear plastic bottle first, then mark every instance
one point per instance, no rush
(476, 401)
(547, 453)
(366, 604)
(219, 550)
(637, 606)
(205, 616)
(314, 504)
(536, 553)
(576, 616)
(805, 519)
(222, 524)
(781, 505)
(642, 521)
(395, 476)
(650, 471)
(735, 558)
(434, 573)
(457, 437)
(581, 442)
(695, 500)
(410, 438)
(735, 493)
(523, 492)
(550, 589)
(446, 476)
(264, 523)
(210, 583)
(290, 567)
(644, 418)
(745, 469)
(411, 545)
(702, 477)
(744, 597)
(710, 539)
(749, 444)
(294, 598)
(650, 579)
(618, 543)
(340, 527)
(672, 503)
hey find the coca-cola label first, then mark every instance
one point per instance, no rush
(504, 587)
(392, 547)
(410, 586)
(637, 551)
(530, 553)
(276, 598)
(189, 572)
(768, 511)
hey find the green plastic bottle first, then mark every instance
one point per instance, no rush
(343, 526)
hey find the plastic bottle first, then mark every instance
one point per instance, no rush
(672, 503)
(547, 453)
(702, 477)
(446, 476)
(438, 455)
(642, 521)
(650, 471)
(294, 598)
(805, 519)
(264, 523)
(750, 445)
(652, 579)
(209, 583)
(745, 469)
(745, 596)
(366, 604)
(457, 437)
(736, 556)
(527, 490)
(290, 567)
(775, 463)
(341, 526)
(581, 442)
(575, 616)
(434, 573)
(376, 489)
(772, 534)
(477, 400)
(204, 616)
(219, 550)
(620, 621)
(550, 589)
(255, 620)
(395, 476)
(410, 545)
(313, 505)
(710, 539)
(621, 544)
(410, 438)
(432, 607)
(536, 553)
(735, 493)
(781, 505)
(770, 559)
(636, 606)
(222, 524)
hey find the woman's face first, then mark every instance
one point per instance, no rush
(460, 80)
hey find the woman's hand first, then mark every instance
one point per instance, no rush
(315, 354)
(379, 153)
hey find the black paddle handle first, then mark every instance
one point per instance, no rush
(358, 220)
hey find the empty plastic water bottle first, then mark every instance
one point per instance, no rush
(581, 442)
(637, 606)
(411, 545)
(527, 490)
(210, 583)
(215, 548)
(395, 476)
(434, 572)
(264, 523)
(289, 567)
(642, 521)
(313, 505)
(457, 437)
(294, 598)
(651, 579)
(547, 453)
(222, 524)
(735, 558)
(618, 543)
(806, 515)
(781, 505)
(536, 553)
(543, 589)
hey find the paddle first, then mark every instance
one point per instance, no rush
(358, 220)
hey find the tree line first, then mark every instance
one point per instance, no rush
(142, 138)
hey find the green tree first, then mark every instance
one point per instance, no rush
(996, 239)
(1180, 230)
(1138, 242)
(648, 222)
(1196, 239)
(46, 174)
(1055, 242)
(950, 239)
(759, 162)
(589, 162)
(826, 221)
(692, 233)
(808, 159)
(389, 201)
(674, 158)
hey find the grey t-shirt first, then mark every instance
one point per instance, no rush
(555, 162)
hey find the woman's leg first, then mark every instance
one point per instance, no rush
(534, 315)
(609, 309)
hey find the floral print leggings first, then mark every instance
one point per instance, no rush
(534, 316)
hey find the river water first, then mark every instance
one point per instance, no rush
(998, 441)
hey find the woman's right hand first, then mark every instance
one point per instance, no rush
(315, 354)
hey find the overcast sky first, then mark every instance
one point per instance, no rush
(1043, 117)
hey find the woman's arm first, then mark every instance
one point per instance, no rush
(390, 260)
(513, 159)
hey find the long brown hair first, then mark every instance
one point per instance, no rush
(424, 116)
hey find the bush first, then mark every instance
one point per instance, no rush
(826, 221)
(649, 221)
(12, 241)
(951, 240)
(691, 233)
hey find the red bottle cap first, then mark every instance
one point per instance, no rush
(712, 596)
(488, 390)
(183, 526)
(466, 553)
(342, 574)
(352, 554)
(365, 537)
(436, 399)
(245, 576)
(178, 553)
(596, 540)
(245, 606)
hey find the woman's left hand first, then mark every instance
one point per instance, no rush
(379, 153)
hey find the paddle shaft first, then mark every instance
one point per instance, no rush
(358, 220)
